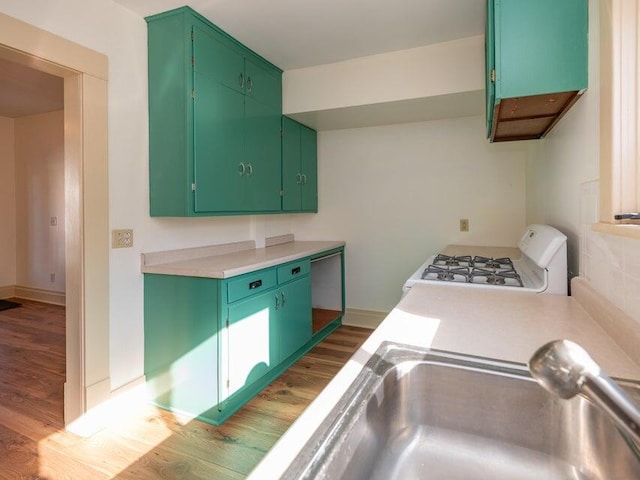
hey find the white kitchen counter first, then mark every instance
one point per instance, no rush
(224, 261)
(501, 325)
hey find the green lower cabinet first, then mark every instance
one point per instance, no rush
(181, 344)
(213, 344)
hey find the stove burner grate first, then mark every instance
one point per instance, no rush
(496, 277)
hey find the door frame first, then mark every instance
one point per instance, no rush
(85, 74)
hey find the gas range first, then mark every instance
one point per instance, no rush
(476, 269)
(540, 267)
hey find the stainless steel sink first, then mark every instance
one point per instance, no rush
(414, 413)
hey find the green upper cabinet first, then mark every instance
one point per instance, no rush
(299, 167)
(214, 121)
(536, 63)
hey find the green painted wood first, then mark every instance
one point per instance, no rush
(252, 340)
(291, 175)
(541, 48)
(262, 144)
(251, 284)
(536, 47)
(181, 342)
(263, 84)
(309, 163)
(200, 133)
(217, 59)
(190, 353)
(293, 270)
(299, 167)
(218, 147)
(294, 316)
(490, 63)
(169, 129)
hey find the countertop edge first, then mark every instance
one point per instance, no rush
(236, 263)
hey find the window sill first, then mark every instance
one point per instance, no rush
(619, 229)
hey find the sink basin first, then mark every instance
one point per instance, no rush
(415, 413)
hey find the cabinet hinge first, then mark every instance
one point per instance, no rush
(282, 132)
(493, 76)
(193, 189)
(282, 193)
(192, 35)
(193, 61)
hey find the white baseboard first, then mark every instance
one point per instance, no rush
(8, 291)
(363, 318)
(40, 295)
(123, 401)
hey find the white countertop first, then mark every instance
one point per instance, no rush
(217, 262)
(501, 325)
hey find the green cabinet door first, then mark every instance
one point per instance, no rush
(263, 85)
(309, 169)
(250, 349)
(299, 167)
(294, 316)
(219, 155)
(291, 175)
(262, 147)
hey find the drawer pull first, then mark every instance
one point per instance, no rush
(254, 285)
(295, 271)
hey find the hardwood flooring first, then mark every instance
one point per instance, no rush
(149, 443)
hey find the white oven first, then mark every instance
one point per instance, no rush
(539, 267)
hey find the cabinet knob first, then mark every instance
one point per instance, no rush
(241, 80)
(242, 169)
(282, 295)
(249, 84)
(304, 179)
(277, 301)
(298, 178)
(249, 169)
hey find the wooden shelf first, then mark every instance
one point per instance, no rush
(322, 317)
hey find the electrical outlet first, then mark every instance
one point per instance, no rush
(464, 224)
(53, 221)
(122, 238)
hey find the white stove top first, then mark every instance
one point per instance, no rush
(541, 269)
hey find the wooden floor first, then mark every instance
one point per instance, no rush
(150, 443)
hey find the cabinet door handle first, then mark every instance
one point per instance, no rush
(254, 285)
(282, 295)
(277, 301)
(249, 84)
(242, 169)
(304, 179)
(241, 80)
(295, 271)
(298, 178)
(249, 169)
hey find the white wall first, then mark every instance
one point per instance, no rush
(7, 204)
(39, 180)
(396, 193)
(433, 70)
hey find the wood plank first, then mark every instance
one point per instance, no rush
(149, 443)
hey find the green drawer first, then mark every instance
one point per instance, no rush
(251, 284)
(293, 270)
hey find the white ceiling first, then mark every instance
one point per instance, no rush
(25, 91)
(301, 33)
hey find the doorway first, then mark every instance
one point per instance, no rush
(86, 233)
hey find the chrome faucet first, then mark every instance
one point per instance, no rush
(565, 369)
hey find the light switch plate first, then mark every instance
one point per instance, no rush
(122, 238)
(464, 224)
